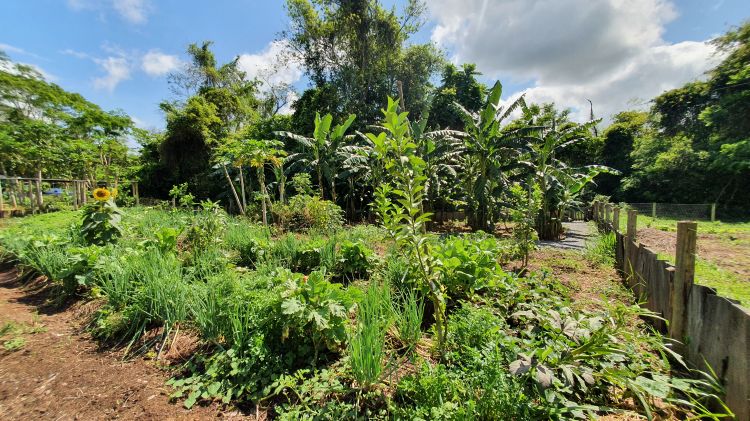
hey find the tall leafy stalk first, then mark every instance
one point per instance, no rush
(398, 203)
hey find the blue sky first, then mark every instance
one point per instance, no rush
(116, 52)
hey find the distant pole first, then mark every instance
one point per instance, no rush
(683, 278)
(653, 210)
(713, 212)
(616, 219)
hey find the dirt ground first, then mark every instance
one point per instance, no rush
(728, 251)
(59, 373)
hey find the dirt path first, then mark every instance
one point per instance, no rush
(59, 374)
(576, 234)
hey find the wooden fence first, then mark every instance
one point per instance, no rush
(710, 329)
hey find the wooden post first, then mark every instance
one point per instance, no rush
(713, 212)
(608, 213)
(30, 193)
(683, 278)
(134, 187)
(616, 219)
(75, 194)
(653, 210)
(632, 220)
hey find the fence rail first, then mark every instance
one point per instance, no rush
(692, 211)
(710, 329)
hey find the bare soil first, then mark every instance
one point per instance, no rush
(60, 373)
(728, 251)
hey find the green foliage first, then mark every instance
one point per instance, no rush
(100, 223)
(601, 250)
(367, 341)
(467, 264)
(408, 312)
(525, 205)
(315, 308)
(356, 260)
(304, 213)
(302, 184)
(179, 194)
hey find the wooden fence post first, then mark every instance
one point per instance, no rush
(608, 213)
(30, 193)
(616, 219)
(713, 212)
(683, 277)
(134, 187)
(632, 220)
(653, 210)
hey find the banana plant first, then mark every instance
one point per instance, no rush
(560, 185)
(490, 151)
(320, 152)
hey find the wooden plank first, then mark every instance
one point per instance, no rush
(684, 276)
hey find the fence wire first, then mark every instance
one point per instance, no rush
(696, 212)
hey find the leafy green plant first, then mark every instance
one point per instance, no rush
(180, 196)
(304, 213)
(399, 206)
(601, 249)
(101, 222)
(356, 260)
(467, 264)
(315, 308)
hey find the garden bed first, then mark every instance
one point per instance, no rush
(287, 323)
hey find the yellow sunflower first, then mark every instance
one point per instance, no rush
(101, 194)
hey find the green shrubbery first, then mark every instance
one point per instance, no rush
(304, 212)
(282, 329)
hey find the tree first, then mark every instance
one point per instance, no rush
(490, 150)
(458, 86)
(357, 48)
(321, 152)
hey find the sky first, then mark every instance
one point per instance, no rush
(617, 53)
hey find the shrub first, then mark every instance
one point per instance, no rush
(305, 212)
(356, 260)
(315, 308)
(467, 264)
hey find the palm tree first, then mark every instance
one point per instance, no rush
(321, 152)
(490, 150)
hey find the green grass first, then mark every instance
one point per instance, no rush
(667, 224)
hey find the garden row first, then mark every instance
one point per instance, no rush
(335, 323)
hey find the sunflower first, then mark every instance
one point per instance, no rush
(101, 194)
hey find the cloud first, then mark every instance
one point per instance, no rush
(156, 63)
(610, 51)
(117, 69)
(273, 65)
(133, 11)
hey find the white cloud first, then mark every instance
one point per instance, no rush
(273, 65)
(117, 69)
(133, 11)
(610, 51)
(156, 63)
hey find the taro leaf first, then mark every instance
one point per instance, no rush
(525, 313)
(520, 366)
(544, 376)
(569, 328)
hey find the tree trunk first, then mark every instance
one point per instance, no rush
(242, 187)
(234, 190)
(320, 182)
(263, 194)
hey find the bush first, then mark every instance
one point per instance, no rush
(467, 264)
(304, 212)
